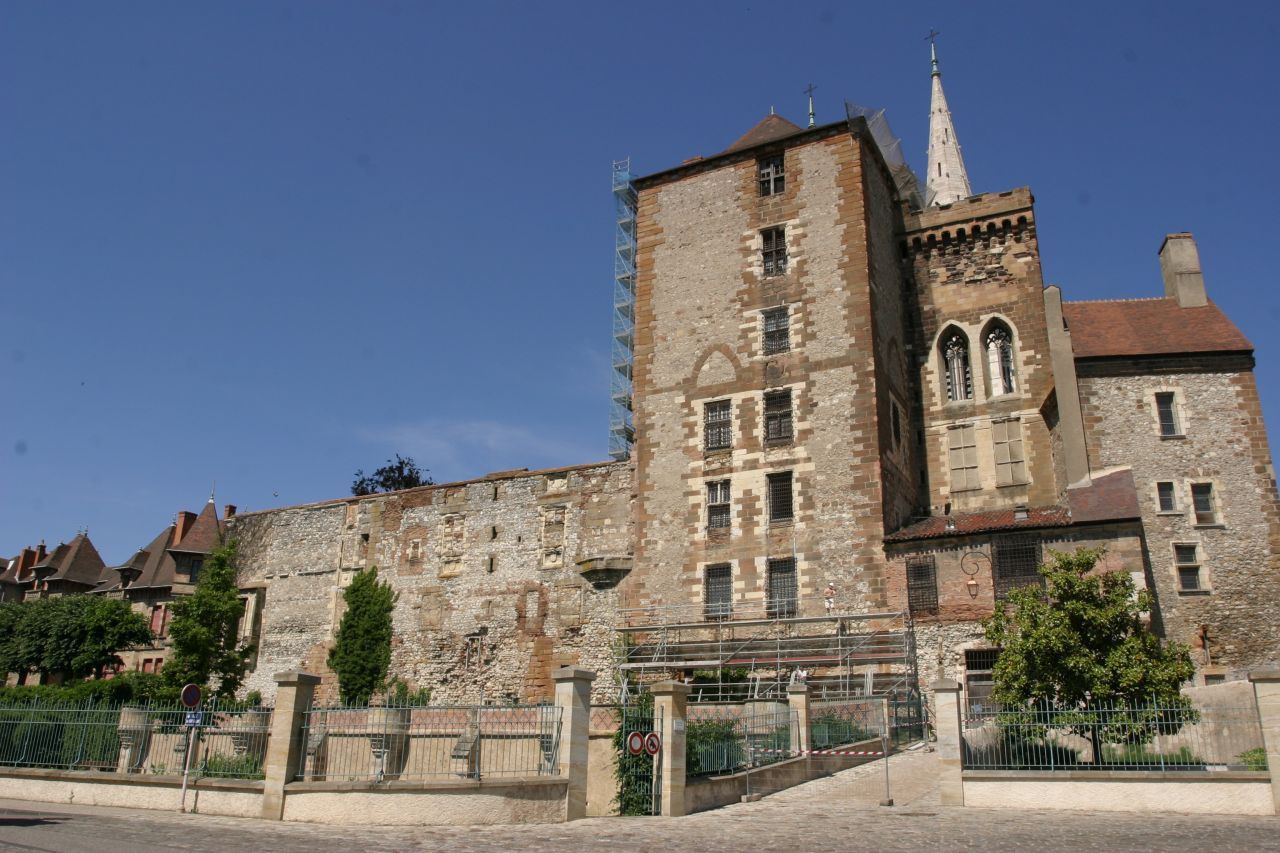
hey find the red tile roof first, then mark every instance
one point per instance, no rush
(1143, 327)
(769, 128)
(205, 533)
(965, 523)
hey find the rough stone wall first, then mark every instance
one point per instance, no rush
(491, 599)
(974, 262)
(700, 291)
(1225, 444)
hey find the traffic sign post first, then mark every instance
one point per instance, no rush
(190, 696)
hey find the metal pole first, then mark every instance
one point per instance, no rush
(884, 747)
(186, 766)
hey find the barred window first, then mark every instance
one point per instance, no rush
(978, 679)
(777, 416)
(781, 601)
(1202, 501)
(1186, 559)
(771, 176)
(922, 584)
(1006, 437)
(777, 330)
(1015, 563)
(963, 458)
(718, 592)
(718, 504)
(774, 250)
(1166, 497)
(780, 503)
(717, 431)
(1167, 413)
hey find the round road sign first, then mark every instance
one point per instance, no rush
(635, 743)
(191, 695)
(653, 743)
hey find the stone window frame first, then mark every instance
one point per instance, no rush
(719, 610)
(719, 498)
(953, 343)
(711, 428)
(993, 374)
(976, 467)
(922, 584)
(779, 418)
(773, 250)
(771, 174)
(1215, 502)
(1173, 495)
(782, 332)
(775, 507)
(1179, 411)
(782, 593)
(1203, 583)
(1009, 443)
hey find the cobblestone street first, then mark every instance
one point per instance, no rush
(840, 812)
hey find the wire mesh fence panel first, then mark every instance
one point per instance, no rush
(1165, 737)
(229, 738)
(386, 743)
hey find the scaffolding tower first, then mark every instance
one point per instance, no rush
(621, 430)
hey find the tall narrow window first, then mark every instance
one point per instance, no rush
(962, 451)
(774, 250)
(1165, 495)
(1006, 439)
(718, 504)
(955, 357)
(1000, 361)
(777, 330)
(922, 585)
(1202, 501)
(781, 595)
(772, 178)
(777, 417)
(1186, 559)
(1015, 563)
(717, 429)
(1167, 412)
(780, 504)
(718, 592)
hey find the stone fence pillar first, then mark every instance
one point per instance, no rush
(286, 747)
(573, 697)
(1266, 687)
(798, 701)
(670, 701)
(946, 720)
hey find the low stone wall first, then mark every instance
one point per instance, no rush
(523, 800)
(712, 792)
(233, 797)
(1190, 792)
(602, 786)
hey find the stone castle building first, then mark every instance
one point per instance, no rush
(857, 418)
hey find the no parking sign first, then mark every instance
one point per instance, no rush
(635, 743)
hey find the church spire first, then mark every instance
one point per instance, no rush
(946, 180)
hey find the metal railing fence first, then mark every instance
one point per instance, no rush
(839, 723)
(1166, 737)
(723, 739)
(379, 744)
(229, 741)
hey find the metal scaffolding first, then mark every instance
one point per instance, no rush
(837, 654)
(621, 431)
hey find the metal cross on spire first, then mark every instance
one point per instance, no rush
(809, 91)
(932, 39)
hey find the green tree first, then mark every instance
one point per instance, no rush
(72, 635)
(1078, 646)
(107, 625)
(399, 473)
(361, 654)
(204, 633)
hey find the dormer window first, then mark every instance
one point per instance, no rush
(190, 566)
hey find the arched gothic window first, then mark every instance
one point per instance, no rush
(1000, 360)
(955, 356)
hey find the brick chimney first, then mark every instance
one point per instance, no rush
(228, 511)
(1180, 266)
(182, 526)
(41, 553)
(26, 560)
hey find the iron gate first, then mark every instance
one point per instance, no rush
(639, 776)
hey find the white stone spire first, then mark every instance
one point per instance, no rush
(947, 181)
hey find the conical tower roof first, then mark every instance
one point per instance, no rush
(946, 181)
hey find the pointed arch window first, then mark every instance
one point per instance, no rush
(955, 357)
(1000, 360)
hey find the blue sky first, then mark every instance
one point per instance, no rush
(268, 243)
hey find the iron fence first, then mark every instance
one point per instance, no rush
(727, 738)
(228, 738)
(1165, 737)
(354, 743)
(834, 724)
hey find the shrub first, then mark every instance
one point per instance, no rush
(1254, 759)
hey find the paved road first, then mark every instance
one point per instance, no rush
(838, 813)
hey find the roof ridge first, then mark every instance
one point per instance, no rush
(1128, 299)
